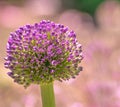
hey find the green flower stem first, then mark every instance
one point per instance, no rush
(47, 93)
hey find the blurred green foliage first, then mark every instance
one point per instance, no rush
(88, 6)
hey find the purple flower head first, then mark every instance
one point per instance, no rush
(42, 53)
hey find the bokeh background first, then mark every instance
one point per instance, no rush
(97, 25)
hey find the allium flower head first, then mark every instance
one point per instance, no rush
(42, 53)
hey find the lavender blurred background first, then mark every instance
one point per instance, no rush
(97, 25)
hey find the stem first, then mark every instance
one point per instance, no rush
(47, 93)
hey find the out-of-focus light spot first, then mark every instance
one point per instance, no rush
(29, 101)
(76, 104)
(75, 19)
(43, 7)
(108, 15)
(12, 16)
(80, 22)
(117, 92)
(96, 48)
(102, 94)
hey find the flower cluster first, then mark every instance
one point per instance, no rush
(42, 53)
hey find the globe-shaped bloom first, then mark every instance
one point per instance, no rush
(42, 53)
